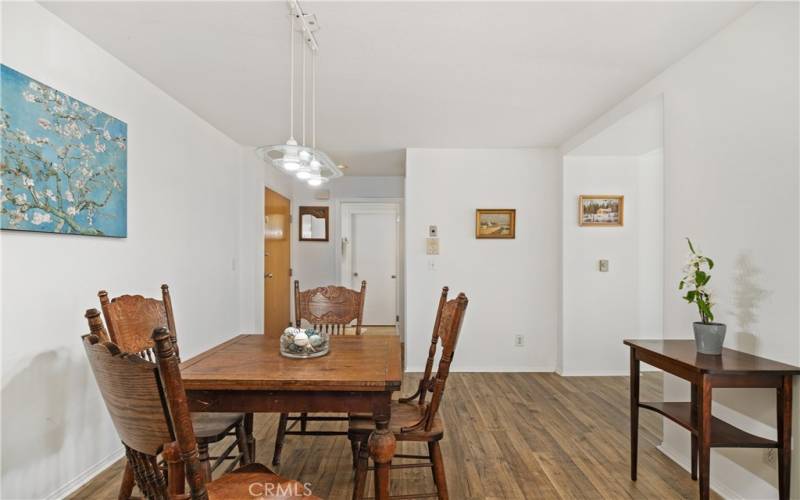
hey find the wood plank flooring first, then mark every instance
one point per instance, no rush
(508, 436)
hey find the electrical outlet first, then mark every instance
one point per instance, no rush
(519, 340)
(433, 231)
(603, 265)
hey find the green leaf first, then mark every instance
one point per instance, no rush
(710, 263)
(690, 296)
(690, 245)
(700, 278)
(681, 285)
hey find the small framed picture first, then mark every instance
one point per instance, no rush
(493, 223)
(601, 210)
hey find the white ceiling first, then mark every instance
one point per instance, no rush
(403, 74)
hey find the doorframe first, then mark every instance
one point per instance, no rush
(349, 207)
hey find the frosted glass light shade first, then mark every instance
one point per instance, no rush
(289, 158)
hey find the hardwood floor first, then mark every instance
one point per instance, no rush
(508, 436)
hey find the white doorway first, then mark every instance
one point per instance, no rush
(370, 252)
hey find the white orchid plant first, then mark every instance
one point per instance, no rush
(695, 280)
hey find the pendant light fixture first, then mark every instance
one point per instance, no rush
(305, 162)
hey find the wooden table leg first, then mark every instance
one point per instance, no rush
(634, 412)
(694, 435)
(205, 460)
(381, 449)
(785, 437)
(251, 440)
(704, 435)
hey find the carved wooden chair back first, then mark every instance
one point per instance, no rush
(447, 328)
(148, 406)
(131, 319)
(426, 383)
(330, 308)
(96, 325)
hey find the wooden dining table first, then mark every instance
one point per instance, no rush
(248, 374)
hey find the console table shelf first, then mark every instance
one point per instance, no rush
(723, 434)
(731, 369)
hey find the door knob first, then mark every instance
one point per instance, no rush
(355, 274)
(394, 276)
(268, 275)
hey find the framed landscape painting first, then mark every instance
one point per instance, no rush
(495, 223)
(601, 210)
(63, 163)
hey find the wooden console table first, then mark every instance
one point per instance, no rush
(731, 369)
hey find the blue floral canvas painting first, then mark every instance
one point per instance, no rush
(63, 163)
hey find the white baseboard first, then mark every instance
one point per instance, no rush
(490, 369)
(603, 373)
(86, 476)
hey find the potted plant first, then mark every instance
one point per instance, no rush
(708, 335)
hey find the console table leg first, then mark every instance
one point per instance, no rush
(704, 435)
(784, 437)
(694, 435)
(634, 413)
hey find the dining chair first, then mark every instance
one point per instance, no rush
(130, 319)
(148, 406)
(329, 309)
(413, 418)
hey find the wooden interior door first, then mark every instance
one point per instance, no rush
(277, 263)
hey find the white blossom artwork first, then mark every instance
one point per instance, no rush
(63, 163)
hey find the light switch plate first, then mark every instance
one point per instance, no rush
(432, 246)
(433, 231)
(603, 265)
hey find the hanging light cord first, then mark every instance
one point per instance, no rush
(291, 78)
(305, 49)
(314, 100)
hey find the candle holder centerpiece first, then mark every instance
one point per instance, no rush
(304, 343)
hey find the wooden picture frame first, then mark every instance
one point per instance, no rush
(316, 213)
(495, 223)
(599, 210)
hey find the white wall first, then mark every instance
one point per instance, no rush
(650, 201)
(731, 183)
(513, 285)
(600, 309)
(183, 187)
(255, 176)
